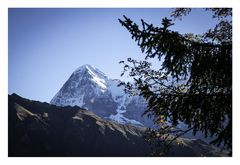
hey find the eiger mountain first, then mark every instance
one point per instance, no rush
(42, 129)
(91, 89)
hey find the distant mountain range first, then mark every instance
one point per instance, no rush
(91, 89)
(42, 129)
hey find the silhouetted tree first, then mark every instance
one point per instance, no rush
(193, 84)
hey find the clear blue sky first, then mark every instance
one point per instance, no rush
(47, 45)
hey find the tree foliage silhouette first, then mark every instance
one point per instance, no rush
(193, 82)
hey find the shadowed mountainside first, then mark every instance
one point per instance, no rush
(42, 129)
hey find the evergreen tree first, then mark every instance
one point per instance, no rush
(193, 83)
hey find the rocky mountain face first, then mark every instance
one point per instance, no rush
(91, 89)
(42, 129)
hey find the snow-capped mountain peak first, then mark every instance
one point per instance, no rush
(91, 89)
(91, 70)
(95, 75)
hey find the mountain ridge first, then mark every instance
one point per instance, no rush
(42, 129)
